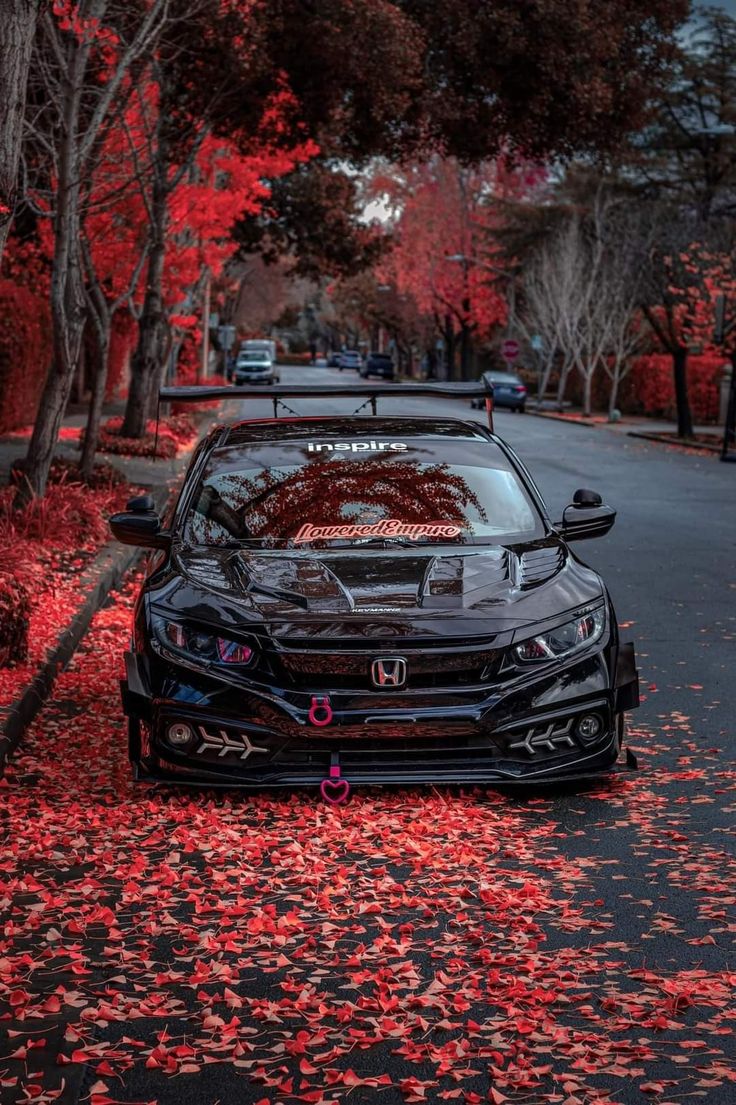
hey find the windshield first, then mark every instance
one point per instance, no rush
(347, 493)
(503, 378)
(259, 358)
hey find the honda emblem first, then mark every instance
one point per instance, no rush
(390, 671)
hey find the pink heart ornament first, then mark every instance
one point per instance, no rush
(335, 791)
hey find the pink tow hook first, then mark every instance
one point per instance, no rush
(334, 789)
(320, 712)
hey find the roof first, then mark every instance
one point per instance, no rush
(352, 426)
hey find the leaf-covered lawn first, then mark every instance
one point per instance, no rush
(423, 945)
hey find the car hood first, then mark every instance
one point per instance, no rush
(428, 591)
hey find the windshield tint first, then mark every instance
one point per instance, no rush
(344, 493)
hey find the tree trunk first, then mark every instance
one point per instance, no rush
(68, 318)
(465, 352)
(615, 385)
(18, 27)
(545, 371)
(562, 385)
(684, 415)
(94, 415)
(146, 363)
(449, 373)
(68, 309)
(587, 394)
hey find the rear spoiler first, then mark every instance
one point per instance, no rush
(369, 392)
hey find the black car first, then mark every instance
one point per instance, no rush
(333, 359)
(377, 364)
(509, 390)
(341, 600)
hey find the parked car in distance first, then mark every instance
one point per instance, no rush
(509, 390)
(350, 358)
(254, 367)
(333, 359)
(377, 364)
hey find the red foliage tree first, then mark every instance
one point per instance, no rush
(443, 254)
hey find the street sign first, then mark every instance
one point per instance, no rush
(510, 349)
(226, 337)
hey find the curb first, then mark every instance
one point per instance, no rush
(16, 717)
(674, 444)
(567, 421)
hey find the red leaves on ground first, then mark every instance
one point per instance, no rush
(422, 945)
(46, 547)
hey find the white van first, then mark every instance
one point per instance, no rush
(260, 345)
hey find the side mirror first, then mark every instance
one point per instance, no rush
(587, 516)
(584, 497)
(141, 503)
(140, 525)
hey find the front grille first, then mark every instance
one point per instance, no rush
(319, 672)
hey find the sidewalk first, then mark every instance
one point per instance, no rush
(138, 470)
(651, 429)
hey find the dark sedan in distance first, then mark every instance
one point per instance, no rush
(378, 364)
(509, 390)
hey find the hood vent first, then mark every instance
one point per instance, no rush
(466, 580)
(298, 582)
(539, 565)
(206, 568)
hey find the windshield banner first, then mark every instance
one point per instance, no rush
(388, 527)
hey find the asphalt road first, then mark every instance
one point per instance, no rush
(424, 945)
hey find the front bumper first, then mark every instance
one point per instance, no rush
(489, 735)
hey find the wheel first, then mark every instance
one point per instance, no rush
(134, 739)
(521, 410)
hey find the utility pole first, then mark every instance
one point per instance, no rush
(203, 373)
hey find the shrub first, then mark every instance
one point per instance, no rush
(15, 613)
(174, 433)
(652, 388)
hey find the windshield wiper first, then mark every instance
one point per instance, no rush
(403, 542)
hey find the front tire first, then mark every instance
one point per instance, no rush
(134, 739)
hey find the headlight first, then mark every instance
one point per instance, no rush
(198, 644)
(563, 640)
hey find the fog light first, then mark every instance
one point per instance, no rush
(179, 734)
(589, 727)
